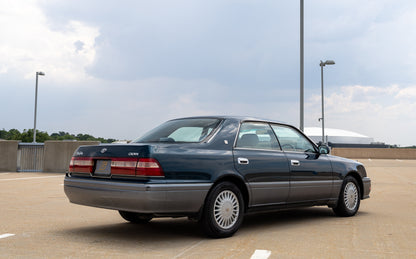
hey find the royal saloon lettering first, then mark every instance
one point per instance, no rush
(215, 170)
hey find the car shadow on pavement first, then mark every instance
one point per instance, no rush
(157, 229)
(167, 229)
(287, 217)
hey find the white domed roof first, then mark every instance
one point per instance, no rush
(337, 136)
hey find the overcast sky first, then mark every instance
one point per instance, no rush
(116, 69)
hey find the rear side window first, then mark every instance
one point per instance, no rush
(182, 130)
(256, 135)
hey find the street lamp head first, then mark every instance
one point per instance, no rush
(40, 73)
(327, 62)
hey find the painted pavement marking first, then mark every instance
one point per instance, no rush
(188, 249)
(6, 235)
(261, 254)
(30, 178)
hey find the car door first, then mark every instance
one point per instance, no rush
(258, 157)
(311, 176)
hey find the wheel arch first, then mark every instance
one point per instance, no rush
(239, 182)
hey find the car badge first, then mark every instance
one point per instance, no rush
(103, 150)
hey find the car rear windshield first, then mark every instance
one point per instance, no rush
(182, 130)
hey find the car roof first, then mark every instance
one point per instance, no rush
(238, 118)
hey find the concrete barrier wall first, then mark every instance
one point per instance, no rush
(57, 154)
(8, 155)
(375, 153)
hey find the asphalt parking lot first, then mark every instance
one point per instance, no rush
(37, 221)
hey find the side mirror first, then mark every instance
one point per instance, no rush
(324, 149)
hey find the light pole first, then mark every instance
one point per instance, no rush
(36, 104)
(322, 64)
(301, 126)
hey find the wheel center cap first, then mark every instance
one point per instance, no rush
(227, 209)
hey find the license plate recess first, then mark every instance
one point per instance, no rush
(103, 167)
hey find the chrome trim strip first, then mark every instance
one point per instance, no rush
(269, 184)
(178, 187)
(258, 149)
(212, 135)
(296, 184)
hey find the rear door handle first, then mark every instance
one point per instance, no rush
(243, 161)
(295, 162)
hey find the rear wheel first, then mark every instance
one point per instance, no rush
(223, 211)
(349, 198)
(134, 217)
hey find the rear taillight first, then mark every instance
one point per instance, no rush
(123, 166)
(149, 167)
(81, 165)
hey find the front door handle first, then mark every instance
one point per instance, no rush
(295, 162)
(243, 161)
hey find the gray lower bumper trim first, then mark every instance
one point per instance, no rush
(366, 187)
(137, 197)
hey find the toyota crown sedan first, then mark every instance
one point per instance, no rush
(215, 170)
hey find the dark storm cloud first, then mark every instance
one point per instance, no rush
(237, 43)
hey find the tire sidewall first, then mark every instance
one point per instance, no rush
(209, 224)
(342, 209)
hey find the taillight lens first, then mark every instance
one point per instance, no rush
(149, 167)
(81, 165)
(123, 166)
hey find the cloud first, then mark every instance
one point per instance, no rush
(371, 43)
(116, 69)
(408, 93)
(28, 44)
(236, 43)
(385, 113)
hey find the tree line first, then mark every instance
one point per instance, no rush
(42, 136)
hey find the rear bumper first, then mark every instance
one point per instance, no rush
(137, 197)
(366, 187)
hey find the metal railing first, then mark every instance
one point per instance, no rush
(30, 157)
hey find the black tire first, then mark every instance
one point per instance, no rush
(349, 198)
(134, 217)
(223, 211)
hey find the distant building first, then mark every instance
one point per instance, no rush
(342, 138)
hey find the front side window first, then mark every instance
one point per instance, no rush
(291, 140)
(257, 136)
(182, 130)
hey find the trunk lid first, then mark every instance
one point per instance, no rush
(109, 161)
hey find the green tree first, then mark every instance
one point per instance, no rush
(41, 136)
(14, 134)
(85, 137)
(3, 134)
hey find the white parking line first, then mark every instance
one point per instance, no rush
(187, 249)
(6, 235)
(261, 254)
(30, 178)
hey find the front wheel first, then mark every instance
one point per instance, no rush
(134, 217)
(223, 211)
(349, 198)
